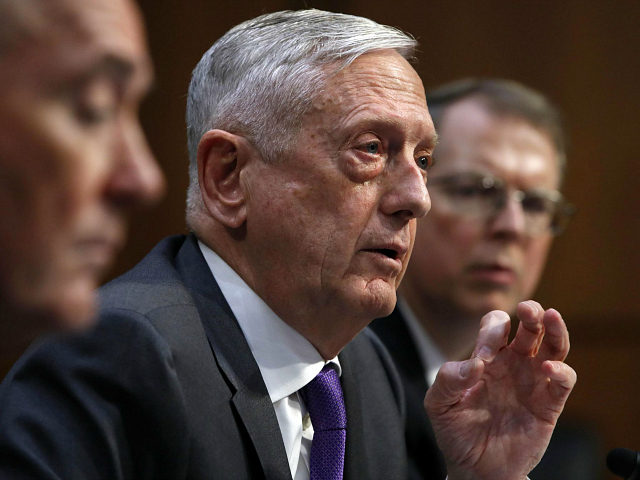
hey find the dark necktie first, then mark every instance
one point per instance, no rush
(325, 403)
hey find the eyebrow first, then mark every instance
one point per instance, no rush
(118, 69)
(434, 140)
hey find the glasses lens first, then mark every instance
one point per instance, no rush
(546, 211)
(467, 194)
(538, 204)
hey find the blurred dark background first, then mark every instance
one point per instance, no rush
(585, 55)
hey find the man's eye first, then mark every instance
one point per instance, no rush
(372, 147)
(424, 161)
(94, 115)
(96, 102)
(536, 204)
(468, 191)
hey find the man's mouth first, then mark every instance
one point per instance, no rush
(493, 273)
(387, 252)
(97, 252)
(389, 257)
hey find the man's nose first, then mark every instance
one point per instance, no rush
(407, 196)
(137, 179)
(509, 218)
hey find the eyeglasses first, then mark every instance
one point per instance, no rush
(484, 196)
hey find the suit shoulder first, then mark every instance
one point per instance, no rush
(152, 284)
(107, 387)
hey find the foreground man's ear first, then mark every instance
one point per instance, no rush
(221, 158)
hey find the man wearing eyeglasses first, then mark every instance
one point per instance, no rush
(496, 206)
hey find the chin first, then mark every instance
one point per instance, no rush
(74, 306)
(379, 299)
(483, 304)
(71, 317)
(45, 315)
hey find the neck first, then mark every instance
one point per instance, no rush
(331, 338)
(324, 323)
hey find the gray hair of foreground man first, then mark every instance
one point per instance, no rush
(261, 77)
(503, 97)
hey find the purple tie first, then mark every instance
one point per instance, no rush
(324, 401)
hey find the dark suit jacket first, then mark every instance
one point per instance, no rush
(165, 387)
(425, 459)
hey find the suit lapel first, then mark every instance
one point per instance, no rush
(355, 456)
(229, 347)
(394, 333)
(375, 437)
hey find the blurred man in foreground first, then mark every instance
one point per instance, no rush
(496, 207)
(73, 160)
(237, 351)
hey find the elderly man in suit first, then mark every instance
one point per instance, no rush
(238, 351)
(73, 160)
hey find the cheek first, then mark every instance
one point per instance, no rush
(290, 226)
(535, 259)
(67, 167)
(446, 237)
(341, 230)
(412, 230)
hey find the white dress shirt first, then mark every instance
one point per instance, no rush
(287, 361)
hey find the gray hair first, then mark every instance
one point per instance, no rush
(504, 97)
(260, 78)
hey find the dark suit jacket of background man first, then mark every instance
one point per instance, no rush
(165, 387)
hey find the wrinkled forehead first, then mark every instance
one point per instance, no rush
(379, 86)
(380, 72)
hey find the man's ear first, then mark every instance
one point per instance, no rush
(221, 158)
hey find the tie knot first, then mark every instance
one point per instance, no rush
(324, 401)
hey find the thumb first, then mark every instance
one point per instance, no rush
(452, 381)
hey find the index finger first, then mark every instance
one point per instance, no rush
(493, 335)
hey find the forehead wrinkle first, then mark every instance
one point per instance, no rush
(373, 93)
(370, 104)
(380, 85)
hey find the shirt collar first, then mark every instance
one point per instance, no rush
(287, 360)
